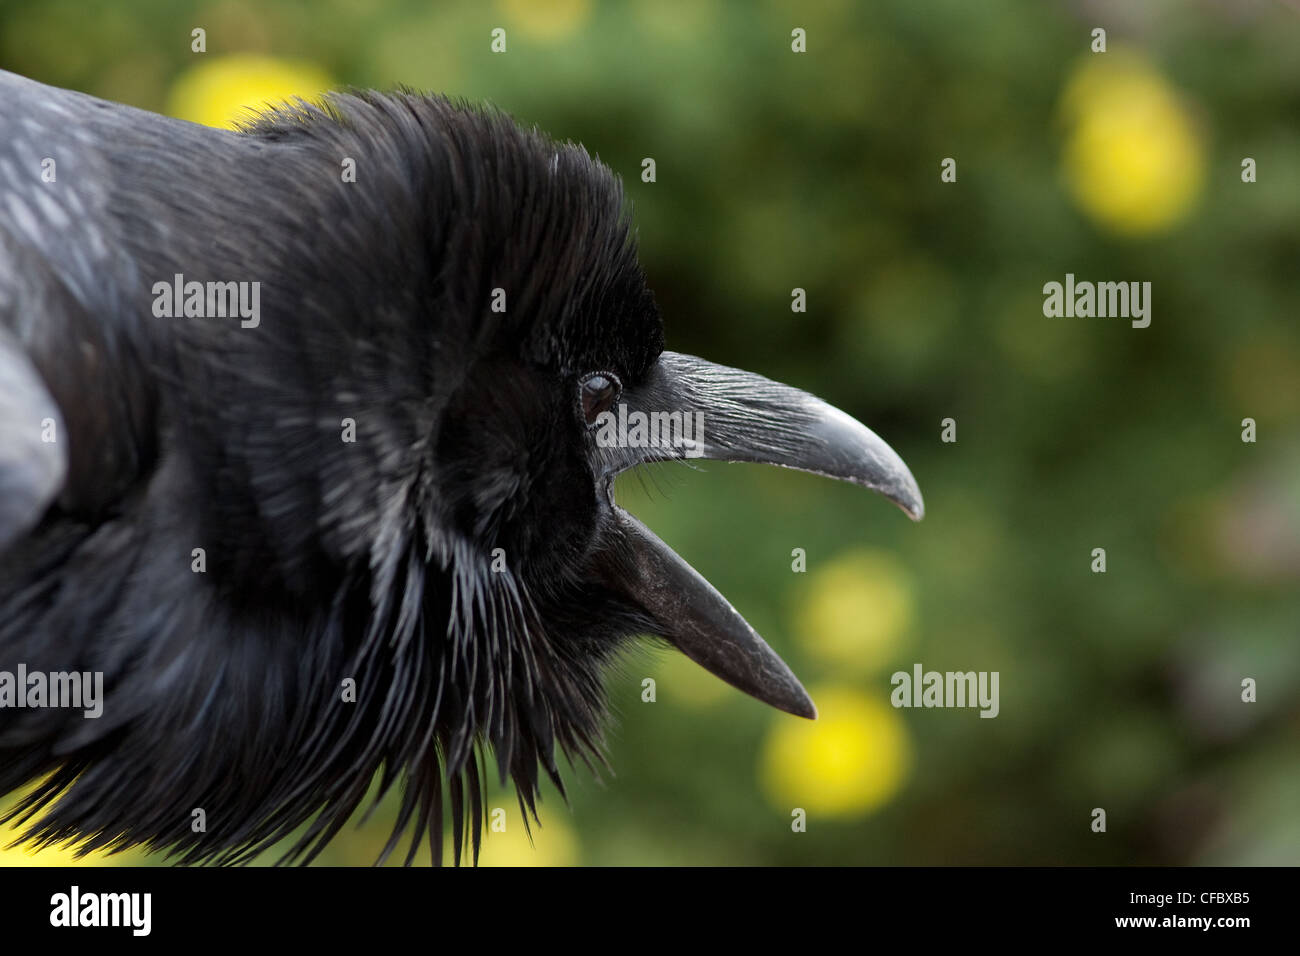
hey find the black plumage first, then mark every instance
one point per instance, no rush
(462, 559)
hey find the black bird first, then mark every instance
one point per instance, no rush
(186, 510)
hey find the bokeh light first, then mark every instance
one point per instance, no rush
(546, 19)
(553, 843)
(856, 610)
(849, 761)
(226, 91)
(1134, 158)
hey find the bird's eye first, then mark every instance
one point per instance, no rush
(597, 393)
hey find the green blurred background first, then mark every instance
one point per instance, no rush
(821, 170)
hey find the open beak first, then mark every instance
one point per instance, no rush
(690, 408)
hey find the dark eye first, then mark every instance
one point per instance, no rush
(598, 392)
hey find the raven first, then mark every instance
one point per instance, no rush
(371, 529)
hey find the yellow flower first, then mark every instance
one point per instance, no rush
(224, 91)
(553, 843)
(856, 610)
(548, 19)
(26, 855)
(847, 763)
(1134, 159)
(53, 856)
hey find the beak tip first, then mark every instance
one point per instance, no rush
(907, 495)
(797, 702)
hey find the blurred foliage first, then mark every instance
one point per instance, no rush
(821, 171)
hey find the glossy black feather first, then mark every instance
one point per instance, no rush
(326, 560)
